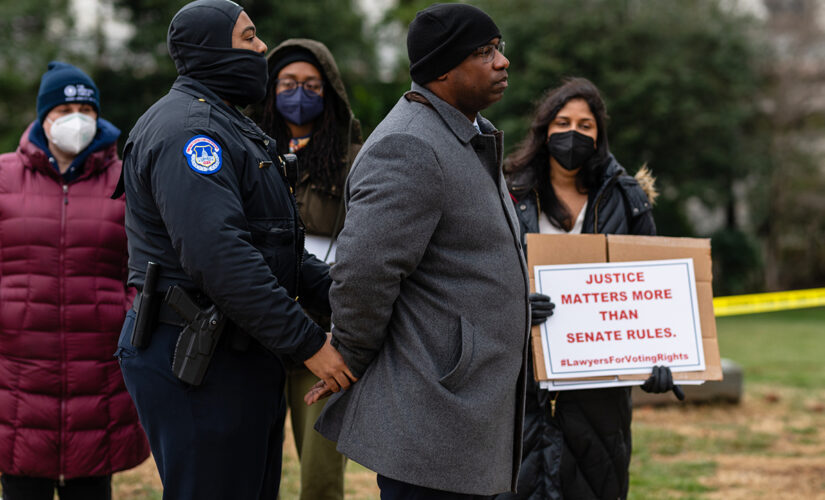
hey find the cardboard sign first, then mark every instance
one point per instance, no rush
(546, 249)
(620, 318)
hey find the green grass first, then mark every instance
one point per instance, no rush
(664, 443)
(656, 472)
(783, 348)
(668, 479)
(781, 353)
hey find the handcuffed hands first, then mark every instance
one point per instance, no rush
(540, 308)
(318, 392)
(660, 381)
(328, 365)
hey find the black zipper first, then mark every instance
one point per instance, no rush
(296, 218)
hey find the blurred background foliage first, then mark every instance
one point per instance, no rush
(719, 103)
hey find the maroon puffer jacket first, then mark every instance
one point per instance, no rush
(64, 410)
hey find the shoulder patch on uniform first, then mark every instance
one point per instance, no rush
(203, 154)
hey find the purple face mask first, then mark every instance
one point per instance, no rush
(299, 106)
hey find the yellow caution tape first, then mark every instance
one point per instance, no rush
(766, 302)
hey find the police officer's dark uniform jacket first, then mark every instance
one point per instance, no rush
(207, 200)
(225, 233)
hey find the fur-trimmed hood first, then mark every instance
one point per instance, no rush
(647, 182)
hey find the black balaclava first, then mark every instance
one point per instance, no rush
(200, 43)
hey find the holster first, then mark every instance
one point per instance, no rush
(202, 326)
(196, 342)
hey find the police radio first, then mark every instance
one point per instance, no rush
(289, 167)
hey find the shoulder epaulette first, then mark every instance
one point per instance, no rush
(198, 115)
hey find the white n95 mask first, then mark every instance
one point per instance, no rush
(72, 133)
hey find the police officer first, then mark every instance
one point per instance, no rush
(208, 200)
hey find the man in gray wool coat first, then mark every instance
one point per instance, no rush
(429, 293)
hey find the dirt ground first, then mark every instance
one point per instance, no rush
(772, 445)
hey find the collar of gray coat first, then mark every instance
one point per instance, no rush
(455, 119)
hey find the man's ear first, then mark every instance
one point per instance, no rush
(437, 82)
(433, 85)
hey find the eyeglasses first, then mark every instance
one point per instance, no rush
(313, 85)
(488, 52)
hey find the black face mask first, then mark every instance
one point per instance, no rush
(571, 149)
(237, 75)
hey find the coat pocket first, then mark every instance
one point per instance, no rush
(275, 239)
(454, 378)
(269, 235)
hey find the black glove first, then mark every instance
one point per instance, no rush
(661, 380)
(540, 308)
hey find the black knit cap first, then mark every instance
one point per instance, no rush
(289, 56)
(443, 35)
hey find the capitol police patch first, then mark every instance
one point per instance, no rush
(203, 154)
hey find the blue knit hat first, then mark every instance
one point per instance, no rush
(63, 83)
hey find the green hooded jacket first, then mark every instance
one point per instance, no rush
(322, 210)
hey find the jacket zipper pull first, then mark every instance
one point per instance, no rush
(62, 478)
(65, 194)
(553, 405)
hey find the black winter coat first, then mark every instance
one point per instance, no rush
(582, 449)
(207, 200)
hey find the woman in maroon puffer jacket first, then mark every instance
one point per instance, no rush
(66, 420)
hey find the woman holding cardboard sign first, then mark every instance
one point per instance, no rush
(564, 180)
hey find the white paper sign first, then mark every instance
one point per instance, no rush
(573, 385)
(320, 246)
(620, 318)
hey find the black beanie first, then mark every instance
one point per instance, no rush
(443, 35)
(288, 56)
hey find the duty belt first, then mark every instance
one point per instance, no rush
(238, 339)
(165, 314)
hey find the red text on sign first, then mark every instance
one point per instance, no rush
(593, 298)
(614, 315)
(615, 278)
(667, 293)
(647, 333)
(604, 336)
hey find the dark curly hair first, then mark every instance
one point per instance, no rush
(531, 155)
(324, 157)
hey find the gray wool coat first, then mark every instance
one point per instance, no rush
(429, 306)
